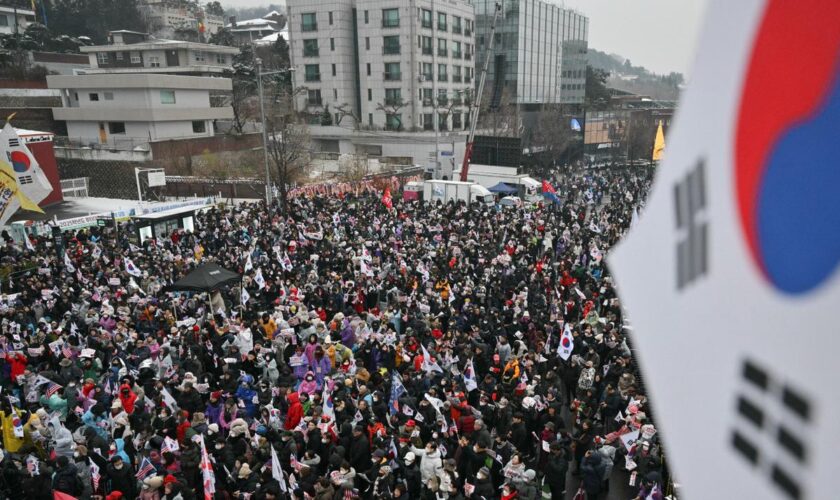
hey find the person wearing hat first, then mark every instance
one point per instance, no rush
(246, 481)
(171, 488)
(555, 468)
(119, 474)
(360, 455)
(411, 474)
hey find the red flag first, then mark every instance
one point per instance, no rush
(547, 188)
(386, 198)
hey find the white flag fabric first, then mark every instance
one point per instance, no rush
(245, 297)
(428, 365)
(207, 475)
(68, 264)
(31, 179)
(133, 248)
(96, 252)
(365, 268)
(739, 237)
(287, 262)
(469, 377)
(28, 242)
(131, 268)
(259, 279)
(567, 343)
(168, 400)
(248, 264)
(276, 471)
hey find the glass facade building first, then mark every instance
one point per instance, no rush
(539, 56)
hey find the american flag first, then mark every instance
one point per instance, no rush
(52, 388)
(297, 466)
(95, 476)
(65, 350)
(145, 469)
(169, 445)
(207, 475)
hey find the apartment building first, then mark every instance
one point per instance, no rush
(14, 17)
(397, 65)
(170, 15)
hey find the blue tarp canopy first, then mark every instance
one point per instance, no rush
(503, 188)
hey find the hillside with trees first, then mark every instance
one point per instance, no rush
(623, 75)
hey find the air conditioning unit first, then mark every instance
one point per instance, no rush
(421, 78)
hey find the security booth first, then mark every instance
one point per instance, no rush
(162, 224)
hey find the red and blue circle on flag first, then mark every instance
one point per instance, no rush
(20, 162)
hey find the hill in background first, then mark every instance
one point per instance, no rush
(636, 79)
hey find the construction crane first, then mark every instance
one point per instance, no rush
(465, 166)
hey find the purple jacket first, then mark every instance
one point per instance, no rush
(213, 413)
(321, 368)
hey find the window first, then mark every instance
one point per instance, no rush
(312, 73)
(467, 29)
(135, 58)
(390, 18)
(442, 77)
(367, 17)
(427, 72)
(4, 21)
(428, 121)
(310, 48)
(456, 74)
(442, 21)
(426, 19)
(330, 13)
(154, 61)
(93, 97)
(427, 96)
(467, 51)
(120, 56)
(456, 121)
(367, 43)
(199, 127)
(308, 22)
(332, 43)
(393, 121)
(456, 50)
(167, 97)
(467, 74)
(393, 97)
(221, 59)
(391, 45)
(335, 94)
(370, 119)
(333, 69)
(313, 98)
(441, 99)
(199, 56)
(116, 127)
(102, 58)
(442, 47)
(426, 45)
(109, 96)
(75, 96)
(456, 25)
(442, 124)
(370, 94)
(368, 69)
(392, 71)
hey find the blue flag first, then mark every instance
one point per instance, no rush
(397, 390)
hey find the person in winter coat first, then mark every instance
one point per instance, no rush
(411, 475)
(127, 398)
(213, 410)
(430, 461)
(527, 486)
(360, 456)
(555, 469)
(483, 485)
(295, 412)
(309, 384)
(121, 477)
(62, 439)
(592, 468)
(66, 478)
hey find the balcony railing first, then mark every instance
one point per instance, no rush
(309, 27)
(442, 101)
(313, 77)
(427, 77)
(467, 32)
(391, 49)
(390, 23)
(427, 51)
(442, 53)
(316, 101)
(426, 24)
(443, 78)
(467, 56)
(393, 101)
(392, 77)
(456, 55)
(427, 102)
(456, 78)
(310, 52)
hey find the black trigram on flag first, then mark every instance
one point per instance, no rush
(14, 143)
(692, 229)
(771, 419)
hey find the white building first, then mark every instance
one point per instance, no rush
(386, 66)
(122, 110)
(14, 19)
(133, 52)
(169, 15)
(257, 30)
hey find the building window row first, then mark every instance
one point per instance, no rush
(458, 26)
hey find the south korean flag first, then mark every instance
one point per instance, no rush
(730, 275)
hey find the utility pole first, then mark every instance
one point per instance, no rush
(261, 74)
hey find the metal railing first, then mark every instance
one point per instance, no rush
(74, 188)
(112, 143)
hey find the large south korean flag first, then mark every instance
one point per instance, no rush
(731, 275)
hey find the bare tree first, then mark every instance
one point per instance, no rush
(289, 144)
(549, 140)
(345, 110)
(353, 168)
(392, 108)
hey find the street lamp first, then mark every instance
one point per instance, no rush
(260, 75)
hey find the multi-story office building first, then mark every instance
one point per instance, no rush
(400, 65)
(539, 56)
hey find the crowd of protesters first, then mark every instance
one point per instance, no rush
(414, 351)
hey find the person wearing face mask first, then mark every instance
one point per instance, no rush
(430, 460)
(120, 476)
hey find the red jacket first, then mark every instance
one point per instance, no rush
(182, 430)
(295, 412)
(127, 398)
(18, 364)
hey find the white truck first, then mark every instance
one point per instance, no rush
(445, 191)
(528, 188)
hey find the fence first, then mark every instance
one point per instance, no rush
(75, 188)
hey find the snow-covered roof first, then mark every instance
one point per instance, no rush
(273, 37)
(255, 22)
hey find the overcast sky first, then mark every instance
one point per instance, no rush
(657, 34)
